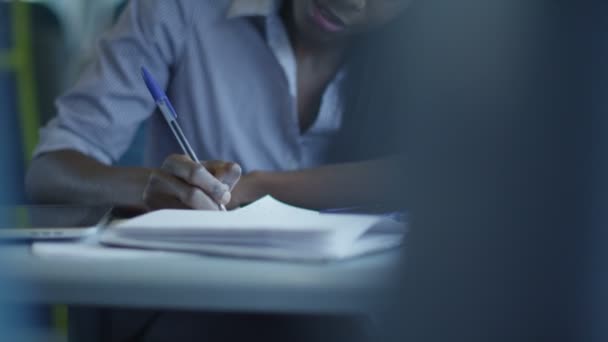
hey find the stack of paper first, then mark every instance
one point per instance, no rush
(264, 229)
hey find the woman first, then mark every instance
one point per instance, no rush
(298, 94)
(262, 84)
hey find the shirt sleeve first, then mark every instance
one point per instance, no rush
(100, 115)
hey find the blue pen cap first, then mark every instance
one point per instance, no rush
(157, 93)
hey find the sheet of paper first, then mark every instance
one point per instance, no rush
(266, 229)
(265, 213)
(361, 247)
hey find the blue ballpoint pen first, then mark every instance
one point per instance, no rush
(166, 108)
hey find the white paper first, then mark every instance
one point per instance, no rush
(266, 229)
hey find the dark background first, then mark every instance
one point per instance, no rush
(507, 149)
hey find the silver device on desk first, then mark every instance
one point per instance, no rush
(51, 222)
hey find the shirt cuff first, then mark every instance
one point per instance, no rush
(57, 138)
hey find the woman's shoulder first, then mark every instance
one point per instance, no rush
(204, 10)
(195, 10)
(187, 12)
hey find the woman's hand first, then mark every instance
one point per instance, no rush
(182, 183)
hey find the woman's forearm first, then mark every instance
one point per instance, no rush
(69, 177)
(343, 185)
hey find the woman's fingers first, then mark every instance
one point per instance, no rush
(198, 176)
(166, 191)
(227, 172)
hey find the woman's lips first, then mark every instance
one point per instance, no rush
(326, 19)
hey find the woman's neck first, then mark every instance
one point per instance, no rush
(325, 53)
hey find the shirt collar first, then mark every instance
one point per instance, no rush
(249, 8)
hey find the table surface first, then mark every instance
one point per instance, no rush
(184, 281)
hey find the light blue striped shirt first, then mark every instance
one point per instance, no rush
(230, 72)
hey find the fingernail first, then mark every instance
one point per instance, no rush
(226, 198)
(236, 169)
(232, 176)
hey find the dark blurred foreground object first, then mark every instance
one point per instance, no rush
(508, 151)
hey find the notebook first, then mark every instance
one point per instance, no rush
(266, 228)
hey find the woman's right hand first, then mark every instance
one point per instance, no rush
(183, 183)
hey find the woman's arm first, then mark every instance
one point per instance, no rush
(70, 177)
(333, 186)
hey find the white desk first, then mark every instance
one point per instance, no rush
(202, 282)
